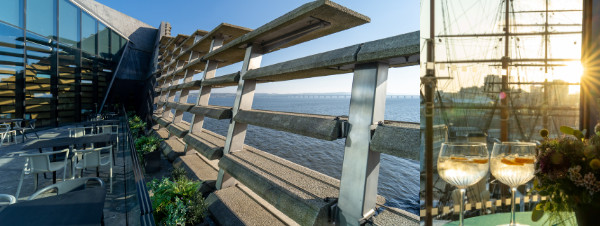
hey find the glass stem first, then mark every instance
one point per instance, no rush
(462, 206)
(512, 205)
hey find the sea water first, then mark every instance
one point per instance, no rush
(398, 177)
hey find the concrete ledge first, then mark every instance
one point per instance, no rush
(155, 117)
(301, 193)
(184, 107)
(196, 167)
(163, 133)
(161, 103)
(400, 50)
(177, 130)
(212, 111)
(207, 143)
(171, 104)
(394, 216)
(334, 18)
(163, 122)
(235, 206)
(172, 148)
(221, 81)
(192, 84)
(401, 139)
(224, 30)
(317, 126)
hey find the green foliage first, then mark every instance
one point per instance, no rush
(567, 172)
(177, 202)
(147, 144)
(178, 173)
(137, 126)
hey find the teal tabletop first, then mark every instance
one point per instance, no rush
(504, 218)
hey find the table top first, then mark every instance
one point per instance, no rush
(504, 218)
(67, 141)
(83, 207)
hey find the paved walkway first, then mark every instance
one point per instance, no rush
(117, 204)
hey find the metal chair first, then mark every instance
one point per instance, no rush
(40, 163)
(11, 199)
(68, 186)
(91, 158)
(81, 131)
(109, 129)
(22, 126)
(5, 132)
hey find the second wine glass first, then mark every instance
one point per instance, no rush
(512, 163)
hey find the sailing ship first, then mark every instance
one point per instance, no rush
(502, 69)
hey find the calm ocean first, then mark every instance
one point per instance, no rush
(398, 179)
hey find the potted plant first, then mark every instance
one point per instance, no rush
(567, 172)
(147, 147)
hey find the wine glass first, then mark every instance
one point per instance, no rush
(512, 164)
(463, 165)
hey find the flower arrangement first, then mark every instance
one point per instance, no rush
(567, 172)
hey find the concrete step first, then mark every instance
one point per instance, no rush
(212, 111)
(400, 50)
(162, 133)
(207, 143)
(192, 85)
(200, 169)
(183, 106)
(238, 205)
(302, 194)
(172, 148)
(392, 216)
(179, 130)
(307, 22)
(163, 122)
(171, 104)
(318, 126)
(401, 139)
(223, 81)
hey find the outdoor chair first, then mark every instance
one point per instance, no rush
(23, 125)
(11, 199)
(68, 186)
(6, 132)
(40, 163)
(91, 158)
(110, 129)
(81, 131)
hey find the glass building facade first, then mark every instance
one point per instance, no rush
(56, 61)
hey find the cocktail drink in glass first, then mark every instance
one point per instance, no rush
(463, 165)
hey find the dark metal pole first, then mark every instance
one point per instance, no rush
(505, 61)
(590, 93)
(429, 82)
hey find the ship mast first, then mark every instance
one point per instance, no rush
(505, 60)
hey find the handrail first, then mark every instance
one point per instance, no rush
(146, 217)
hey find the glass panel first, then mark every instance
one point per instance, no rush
(67, 84)
(88, 33)
(11, 11)
(41, 17)
(11, 63)
(40, 54)
(68, 21)
(87, 89)
(115, 46)
(103, 44)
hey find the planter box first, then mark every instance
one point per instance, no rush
(152, 161)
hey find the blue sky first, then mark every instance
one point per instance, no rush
(388, 18)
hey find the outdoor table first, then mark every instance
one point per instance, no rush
(84, 207)
(67, 141)
(98, 123)
(504, 218)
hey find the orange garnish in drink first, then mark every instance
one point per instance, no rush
(524, 160)
(509, 162)
(480, 161)
(458, 158)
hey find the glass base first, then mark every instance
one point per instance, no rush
(515, 224)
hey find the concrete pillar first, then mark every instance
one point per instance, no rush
(360, 169)
(210, 69)
(243, 100)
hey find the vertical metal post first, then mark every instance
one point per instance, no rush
(505, 61)
(590, 93)
(360, 169)
(210, 69)
(429, 85)
(243, 100)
